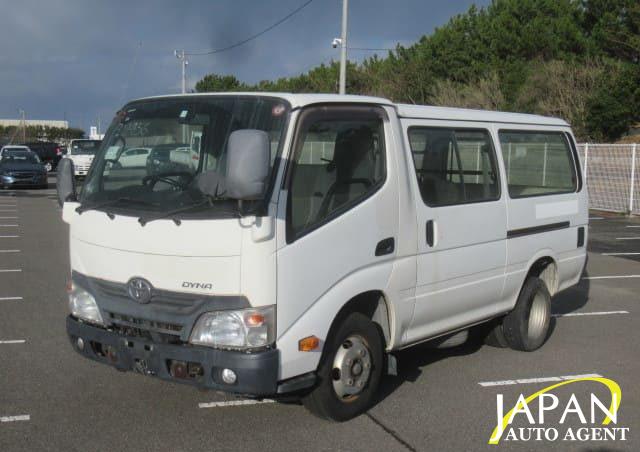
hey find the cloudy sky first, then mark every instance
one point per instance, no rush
(82, 59)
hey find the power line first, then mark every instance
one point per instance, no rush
(370, 49)
(255, 36)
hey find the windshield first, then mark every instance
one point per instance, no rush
(155, 151)
(79, 147)
(9, 156)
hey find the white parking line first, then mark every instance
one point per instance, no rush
(13, 341)
(627, 238)
(9, 236)
(638, 226)
(575, 314)
(612, 277)
(536, 380)
(10, 298)
(10, 270)
(234, 403)
(8, 218)
(621, 254)
(9, 251)
(8, 225)
(596, 218)
(22, 417)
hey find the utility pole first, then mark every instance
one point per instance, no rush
(23, 124)
(343, 48)
(180, 54)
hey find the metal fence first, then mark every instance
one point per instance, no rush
(612, 174)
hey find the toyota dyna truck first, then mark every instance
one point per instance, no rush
(273, 245)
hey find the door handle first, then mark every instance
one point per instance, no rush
(386, 246)
(430, 233)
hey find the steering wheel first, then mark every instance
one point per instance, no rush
(326, 202)
(152, 179)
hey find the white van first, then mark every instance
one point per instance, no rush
(316, 235)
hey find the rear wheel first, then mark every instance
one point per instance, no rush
(526, 328)
(350, 371)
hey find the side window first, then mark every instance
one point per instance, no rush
(537, 163)
(454, 166)
(339, 161)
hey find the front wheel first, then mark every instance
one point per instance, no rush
(350, 371)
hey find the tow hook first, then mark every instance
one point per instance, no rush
(140, 366)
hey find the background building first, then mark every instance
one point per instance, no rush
(34, 122)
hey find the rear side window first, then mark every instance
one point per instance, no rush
(537, 163)
(339, 162)
(454, 166)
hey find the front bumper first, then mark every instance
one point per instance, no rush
(35, 181)
(257, 373)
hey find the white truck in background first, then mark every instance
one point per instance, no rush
(82, 153)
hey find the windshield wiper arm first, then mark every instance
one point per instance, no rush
(147, 219)
(99, 205)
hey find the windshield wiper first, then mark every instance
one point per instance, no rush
(95, 206)
(171, 213)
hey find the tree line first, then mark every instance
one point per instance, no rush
(575, 59)
(15, 134)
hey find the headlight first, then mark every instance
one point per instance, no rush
(243, 329)
(83, 306)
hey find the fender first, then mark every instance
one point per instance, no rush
(318, 318)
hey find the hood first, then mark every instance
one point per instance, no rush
(22, 166)
(200, 256)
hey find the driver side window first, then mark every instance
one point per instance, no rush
(339, 162)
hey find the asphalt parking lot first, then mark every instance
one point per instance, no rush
(52, 399)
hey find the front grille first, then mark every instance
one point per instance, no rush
(24, 175)
(158, 297)
(148, 329)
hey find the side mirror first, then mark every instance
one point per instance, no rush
(65, 181)
(248, 164)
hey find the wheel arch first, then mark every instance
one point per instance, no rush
(374, 305)
(546, 268)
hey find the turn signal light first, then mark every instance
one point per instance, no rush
(308, 344)
(254, 319)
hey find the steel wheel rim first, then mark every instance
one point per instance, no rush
(351, 368)
(538, 317)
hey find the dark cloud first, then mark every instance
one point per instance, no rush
(81, 59)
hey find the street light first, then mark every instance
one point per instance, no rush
(179, 54)
(342, 43)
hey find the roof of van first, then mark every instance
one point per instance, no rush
(404, 110)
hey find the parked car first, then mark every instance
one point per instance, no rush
(14, 147)
(274, 269)
(82, 152)
(134, 158)
(21, 167)
(49, 152)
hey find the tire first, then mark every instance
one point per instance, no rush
(527, 327)
(496, 338)
(333, 398)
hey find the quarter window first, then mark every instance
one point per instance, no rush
(537, 163)
(454, 166)
(339, 161)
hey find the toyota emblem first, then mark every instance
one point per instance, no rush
(139, 290)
